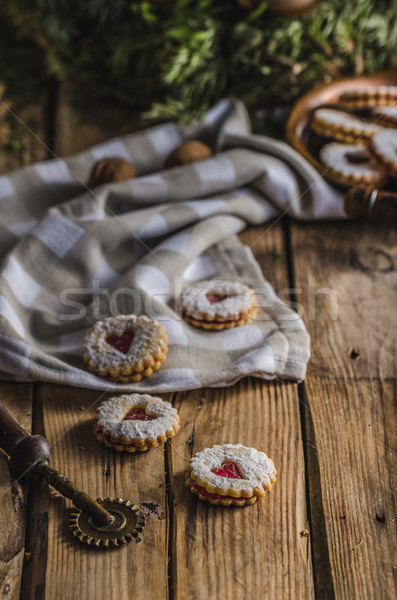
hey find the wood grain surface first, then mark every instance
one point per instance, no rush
(327, 529)
(347, 274)
(234, 552)
(346, 278)
(18, 399)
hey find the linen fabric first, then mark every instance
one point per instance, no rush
(72, 256)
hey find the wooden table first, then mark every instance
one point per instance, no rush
(327, 530)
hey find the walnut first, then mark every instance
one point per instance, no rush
(108, 170)
(186, 153)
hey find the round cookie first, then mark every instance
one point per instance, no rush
(342, 126)
(367, 96)
(351, 164)
(383, 147)
(186, 153)
(386, 116)
(216, 304)
(125, 348)
(230, 474)
(135, 422)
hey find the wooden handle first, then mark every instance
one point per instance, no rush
(371, 204)
(11, 433)
(25, 451)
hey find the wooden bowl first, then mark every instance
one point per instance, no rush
(299, 133)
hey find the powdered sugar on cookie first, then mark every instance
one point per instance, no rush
(256, 468)
(372, 90)
(386, 115)
(112, 413)
(353, 163)
(342, 126)
(217, 299)
(126, 347)
(366, 96)
(329, 116)
(385, 145)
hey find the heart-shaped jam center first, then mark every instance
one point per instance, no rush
(229, 469)
(121, 342)
(138, 413)
(214, 297)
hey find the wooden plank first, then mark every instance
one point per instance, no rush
(354, 440)
(349, 400)
(345, 279)
(69, 569)
(256, 551)
(75, 133)
(18, 399)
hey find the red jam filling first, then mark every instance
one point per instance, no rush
(214, 297)
(121, 342)
(137, 414)
(203, 492)
(228, 469)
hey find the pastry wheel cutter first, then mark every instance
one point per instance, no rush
(104, 523)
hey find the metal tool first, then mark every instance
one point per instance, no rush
(371, 204)
(104, 523)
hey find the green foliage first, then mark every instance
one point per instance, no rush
(175, 60)
(22, 60)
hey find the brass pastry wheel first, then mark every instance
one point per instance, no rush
(103, 523)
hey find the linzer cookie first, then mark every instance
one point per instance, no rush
(216, 304)
(367, 96)
(352, 164)
(386, 116)
(135, 422)
(342, 126)
(383, 147)
(125, 348)
(230, 475)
